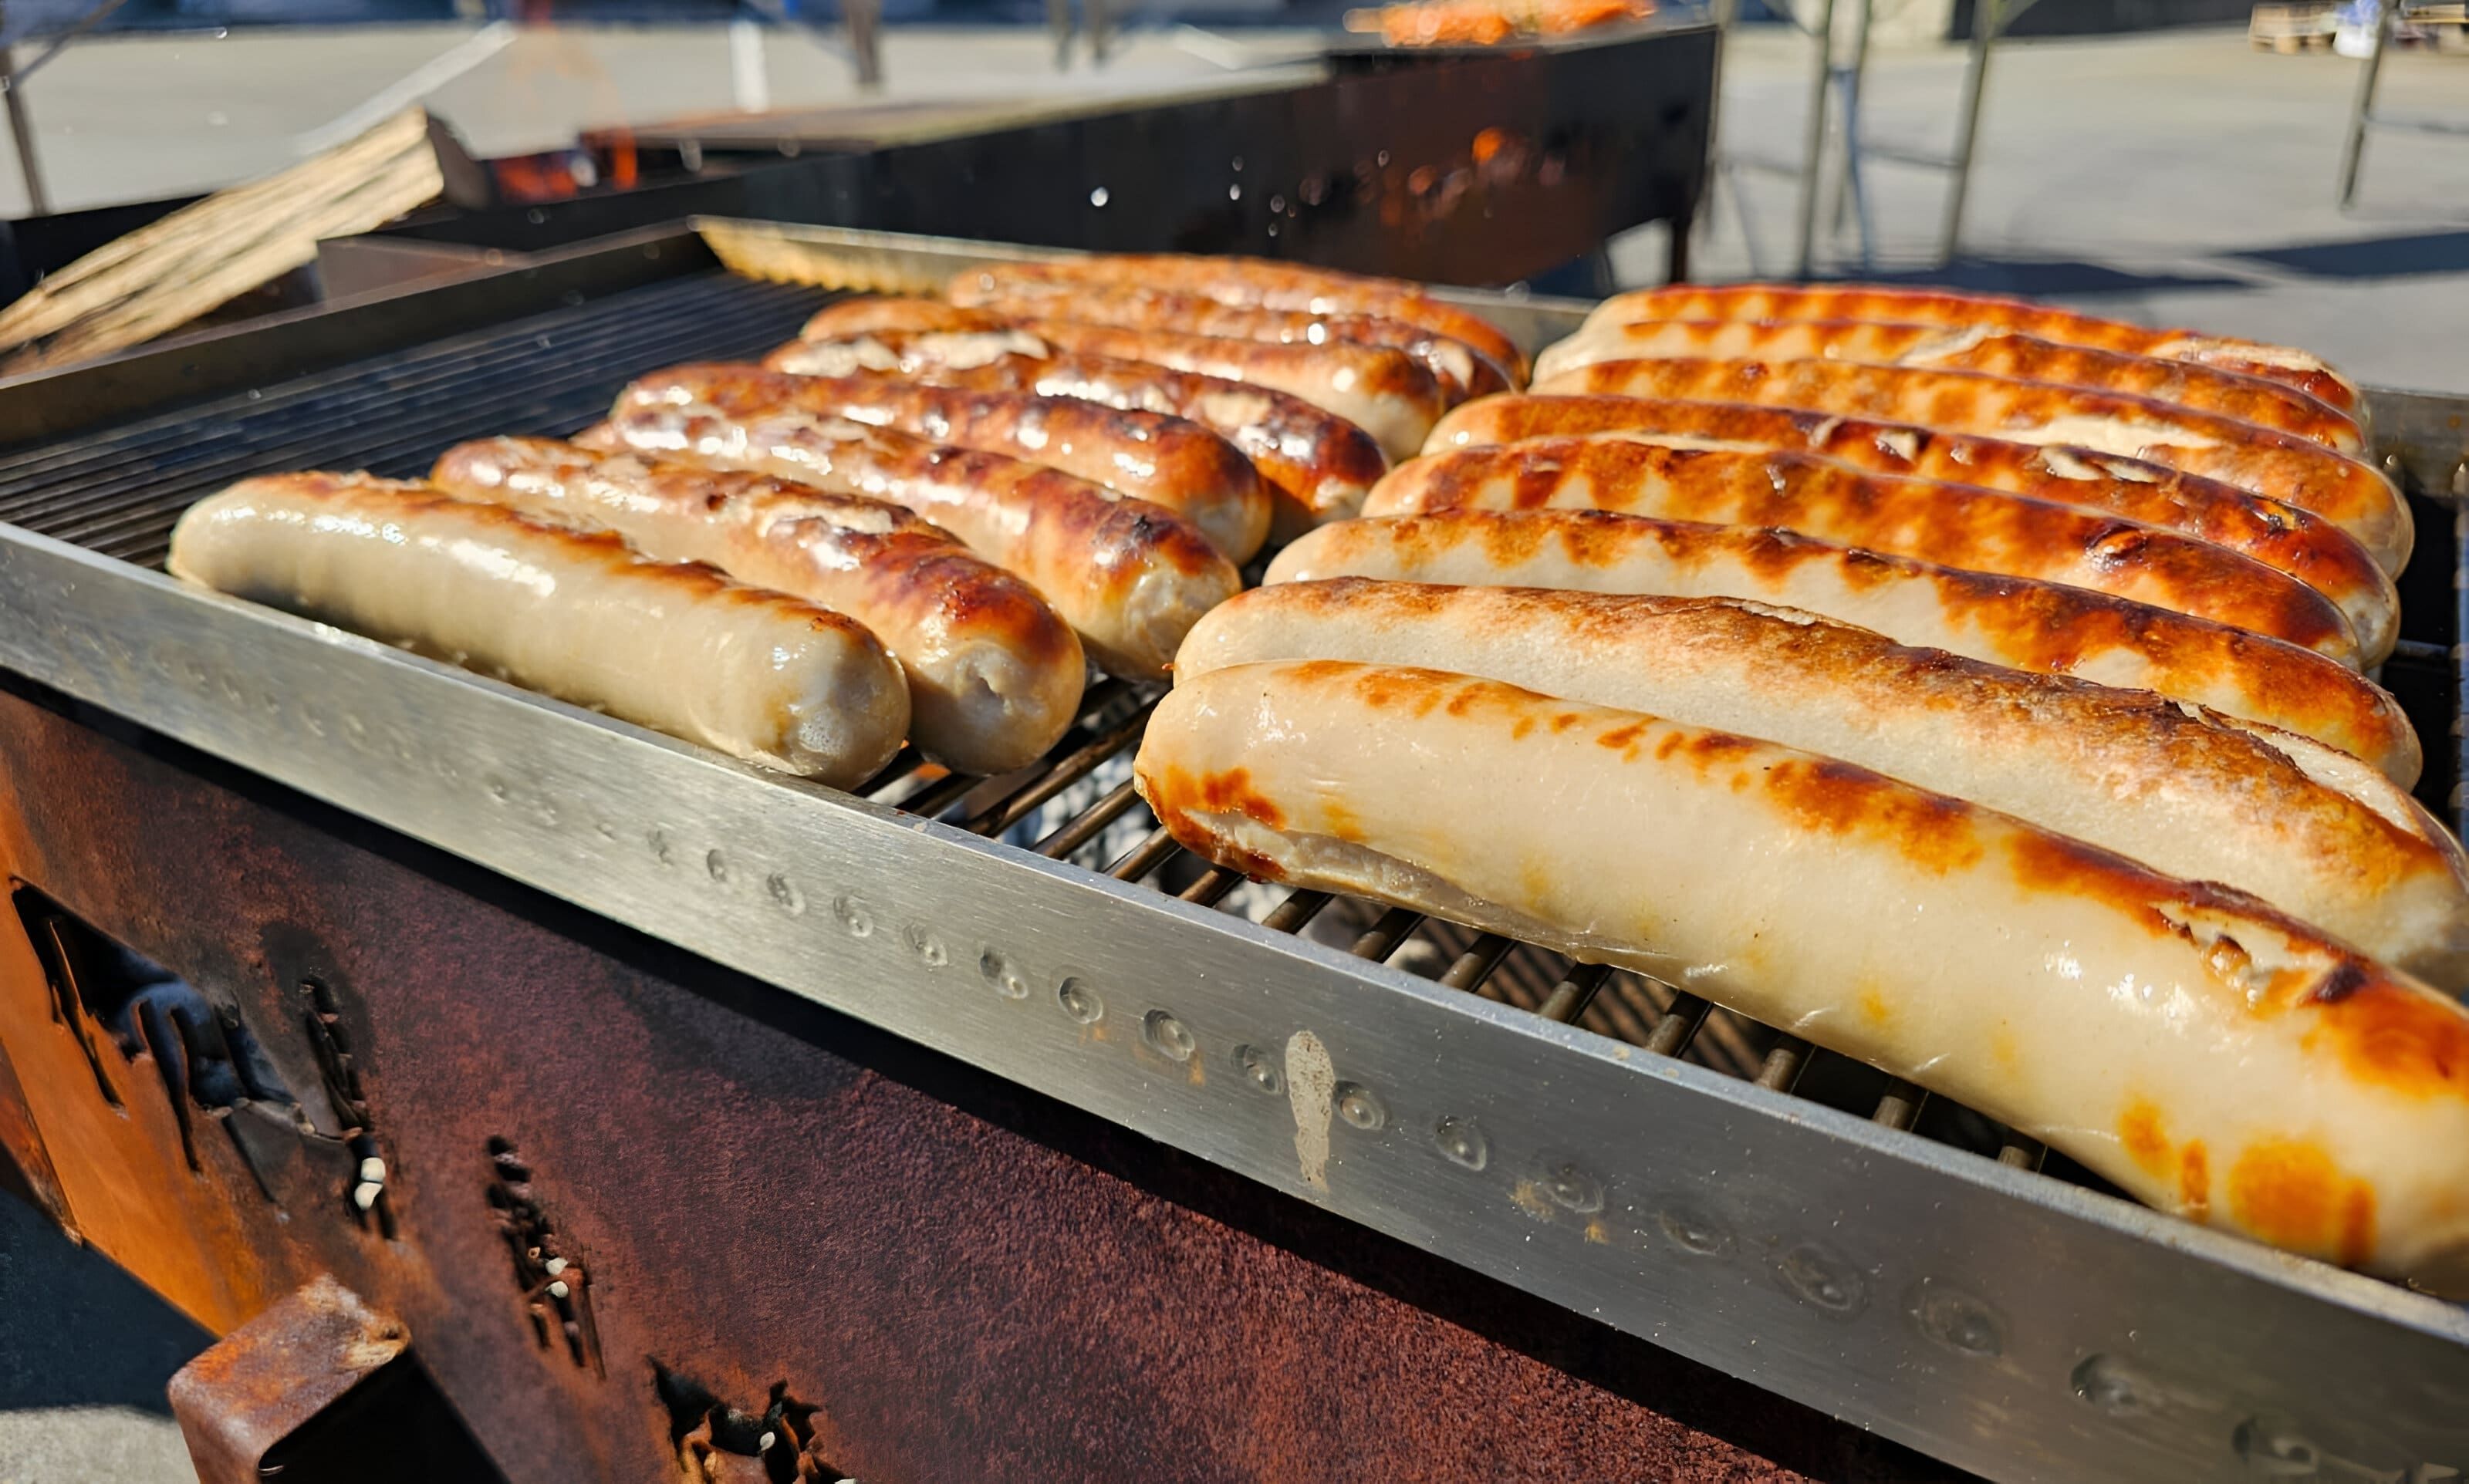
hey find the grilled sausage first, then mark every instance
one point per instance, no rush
(2228, 394)
(1322, 466)
(1461, 370)
(2341, 489)
(2212, 1056)
(994, 676)
(1386, 393)
(2188, 792)
(2281, 537)
(1941, 307)
(868, 314)
(1157, 457)
(1249, 282)
(1129, 576)
(2039, 627)
(1959, 525)
(573, 614)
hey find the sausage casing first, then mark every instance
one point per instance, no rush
(1461, 370)
(1158, 457)
(2281, 537)
(2213, 1057)
(1322, 466)
(2190, 384)
(1957, 525)
(2042, 627)
(1130, 577)
(1251, 283)
(578, 615)
(1384, 392)
(2292, 471)
(2187, 792)
(993, 675)
(2307, 372)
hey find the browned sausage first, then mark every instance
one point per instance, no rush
(1129, 576)
(1386, 393)
(2047, 628)
(1158, 457)
(1463, 370)
(2289, 469)
(1322, 466)
(2230, 394)
(1957, 525)
(867, 315)
(993, 675)
(2281, 537)
(1256, 282)
(2307, 372)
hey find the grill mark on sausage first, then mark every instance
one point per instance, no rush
(1943, 307)
(1967, 527)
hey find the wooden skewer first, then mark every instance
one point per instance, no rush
(169, 272)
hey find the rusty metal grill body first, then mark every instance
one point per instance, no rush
(1618, 1162)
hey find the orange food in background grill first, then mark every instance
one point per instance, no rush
(1491, 22)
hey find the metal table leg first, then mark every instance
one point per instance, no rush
(2362, 104)
(21, 133)
(1986, 18)
(1813, 156)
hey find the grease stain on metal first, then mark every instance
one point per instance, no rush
(1312, 1090)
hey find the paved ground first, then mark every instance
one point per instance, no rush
(2181, 178)
(2178, 177)
(85, 1352)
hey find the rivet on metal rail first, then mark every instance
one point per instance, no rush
(1004, 974)
(1462, 1142)
(1955, 1319)
(1571, 1187)
(927, 943)
(1260, 1069)
(1691, 1228)
(854, 915)
(1361, 1107)
(2116, 1389)
(1167, 1036)
(1080, 1003)
(1823, 1279)
(2271, 1448)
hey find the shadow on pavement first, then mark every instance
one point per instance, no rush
(2380, 257)
(2051, 278)
(78, 1331)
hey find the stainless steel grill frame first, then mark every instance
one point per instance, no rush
(1952, 1296)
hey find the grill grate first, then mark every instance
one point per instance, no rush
(118, 492)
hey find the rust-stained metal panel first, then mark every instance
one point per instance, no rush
(253, 1389)
(961, 1279)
